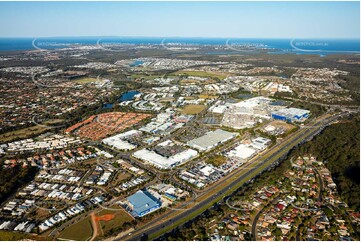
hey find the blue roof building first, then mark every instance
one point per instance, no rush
(170, 196)
(142, 203)
(291, 114)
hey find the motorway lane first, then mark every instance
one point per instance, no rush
(305, 135)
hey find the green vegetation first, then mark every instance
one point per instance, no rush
(13, 178)
(121, 177)
(28, 132)
(145, 76)
(284, 95)
(199, 226)
(316, 110)
(339, 145)
(337, 139)
(241, 92)
(202, 74)
(86, 80)
(79, 231)
(16, 236)
(352, 83)
(217, 160)
(121, 221)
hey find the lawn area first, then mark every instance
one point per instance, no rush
(27, 132)
(86, 80)
(15, 236)
(120, 177)
(120, 217)
(217, 160)
(202, 74)
(79, 231)
(193, 109)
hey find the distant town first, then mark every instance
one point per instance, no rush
(129, 144)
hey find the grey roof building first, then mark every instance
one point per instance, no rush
(211, 139)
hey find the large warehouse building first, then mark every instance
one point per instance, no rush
(242, 152)
(119, 141)
(211, 140)
(141, 203)
(162, 162)
(291, 114)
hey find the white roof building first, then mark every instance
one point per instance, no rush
(211, 139)
(241, 152)
(260, 143)
(207, 170)
(162, 162)
(117, 141)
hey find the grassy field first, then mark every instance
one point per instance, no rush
(193, 109)
(86, 80)
(202, 74)
(27, 132)
(7, 235)
(217, 160)
(79, 231)
(121, 176)
(120, 217)
(137, 76)
(15, 236)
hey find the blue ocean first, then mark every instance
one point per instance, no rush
(272, 46)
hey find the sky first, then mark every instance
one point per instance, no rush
(181, 19)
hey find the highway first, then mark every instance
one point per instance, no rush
(225, 187)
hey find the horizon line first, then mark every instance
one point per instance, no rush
(191, 37)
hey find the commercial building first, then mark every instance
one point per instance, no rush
(291, 114)
(141, 203)
(119, 141)
(260, 143)
(211, 140)
(254, 102)
(162, 162)
(241, 152)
